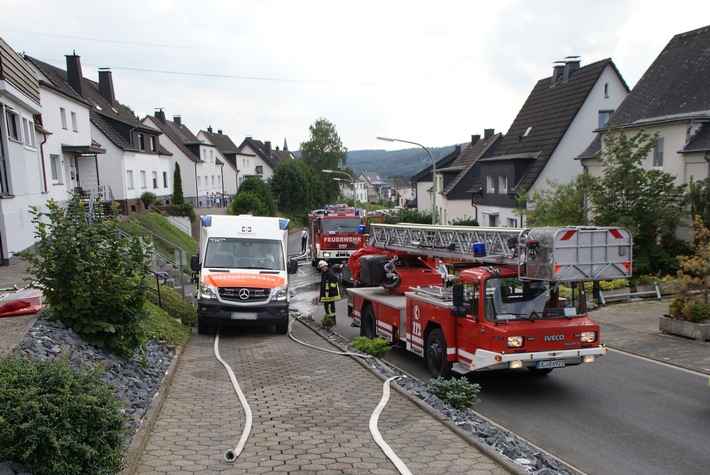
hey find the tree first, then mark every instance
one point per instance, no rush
(699, 196)
(324, 150)
(294, 186)
(254, 197)
(178, 198)
(556, 205)
(647, 202)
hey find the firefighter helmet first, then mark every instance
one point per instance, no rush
(322, 264)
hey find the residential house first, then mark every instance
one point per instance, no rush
(228, 154)
(373, 186)
(455, 194)
(257, 158)
(123, 158)
(403, 190)
(424, 185)
(556, 123)
(672, 99)
(201, 170)
(23, 181)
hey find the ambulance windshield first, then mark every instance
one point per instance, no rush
(237, 253)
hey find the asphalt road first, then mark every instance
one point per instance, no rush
(620, 415)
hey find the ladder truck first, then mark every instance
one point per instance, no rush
(518, 300)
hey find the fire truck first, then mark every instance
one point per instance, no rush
(334, 233)
(517, 301)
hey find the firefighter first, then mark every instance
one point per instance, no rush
(329, 288)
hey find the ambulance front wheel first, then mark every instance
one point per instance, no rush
(436, 355)
(202, 327)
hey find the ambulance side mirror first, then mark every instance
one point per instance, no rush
(195, 263)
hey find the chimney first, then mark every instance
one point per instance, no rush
(475, 138)
(557, 71)
(219, 131)
(74, 74)
(267, 148)
(177, 119)
(571, 64)
(457, 149)
(160, 115)
(209, 128)
(488, 133)
(106, 85)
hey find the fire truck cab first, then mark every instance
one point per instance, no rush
(518, 301)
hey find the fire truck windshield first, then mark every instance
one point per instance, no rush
(515, 299)
(340, 225)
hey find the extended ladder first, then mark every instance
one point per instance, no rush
(546, 253)
(457, 242)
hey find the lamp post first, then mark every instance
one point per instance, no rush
(340, 179)
(433, 172)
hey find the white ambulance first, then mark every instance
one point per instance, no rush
(243, 269)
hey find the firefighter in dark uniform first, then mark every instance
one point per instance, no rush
(329, 288)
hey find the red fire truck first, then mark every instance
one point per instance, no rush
(334, 233)
(518, 300)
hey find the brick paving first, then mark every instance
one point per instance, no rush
(311, 412)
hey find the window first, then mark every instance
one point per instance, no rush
(502, 184)
(28, 128)
(493, 220)
(606, 89)
(211, 156)
(73, 122)
(512, 223)
(129, 179)
(658, 153)
(604, 117)
(490, 184)
(259, 169)
(155, 179)
(165, 179)
(13, 131)
(141, 142)
(153, 143)
(55, 165)
(144, 184)
(63, 115)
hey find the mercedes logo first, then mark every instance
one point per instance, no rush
(243, 294)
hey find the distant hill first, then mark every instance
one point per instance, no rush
(407, 162)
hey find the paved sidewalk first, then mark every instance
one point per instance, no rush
(311, 412)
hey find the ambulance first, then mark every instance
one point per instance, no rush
(243, 272)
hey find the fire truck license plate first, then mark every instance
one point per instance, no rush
(243, 316)
(550, 364)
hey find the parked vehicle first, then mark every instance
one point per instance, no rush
(506, 309)
(243, 272)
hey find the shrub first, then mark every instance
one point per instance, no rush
(56, 420)
(696, 311)
(91, 277)
(377, 347)
(171, 302)
(459, 392)
(327, 322)
(162, 326)
(148, 198)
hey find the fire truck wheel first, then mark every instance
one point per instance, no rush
(436, 355)
(367, 326)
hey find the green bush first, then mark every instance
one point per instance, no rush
(56, 420)
(171, 302)
(148, 198)
(160, 325)
(327, 321)
(459, 392)
(377, 347)
(696, 311)
(91, 277)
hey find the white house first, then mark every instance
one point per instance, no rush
(23, 182)
(227, 153)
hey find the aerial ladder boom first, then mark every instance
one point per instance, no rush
(546, 253)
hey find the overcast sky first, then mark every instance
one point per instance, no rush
(424, 71)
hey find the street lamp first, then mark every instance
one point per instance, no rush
(433, 172)
(340, 179)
